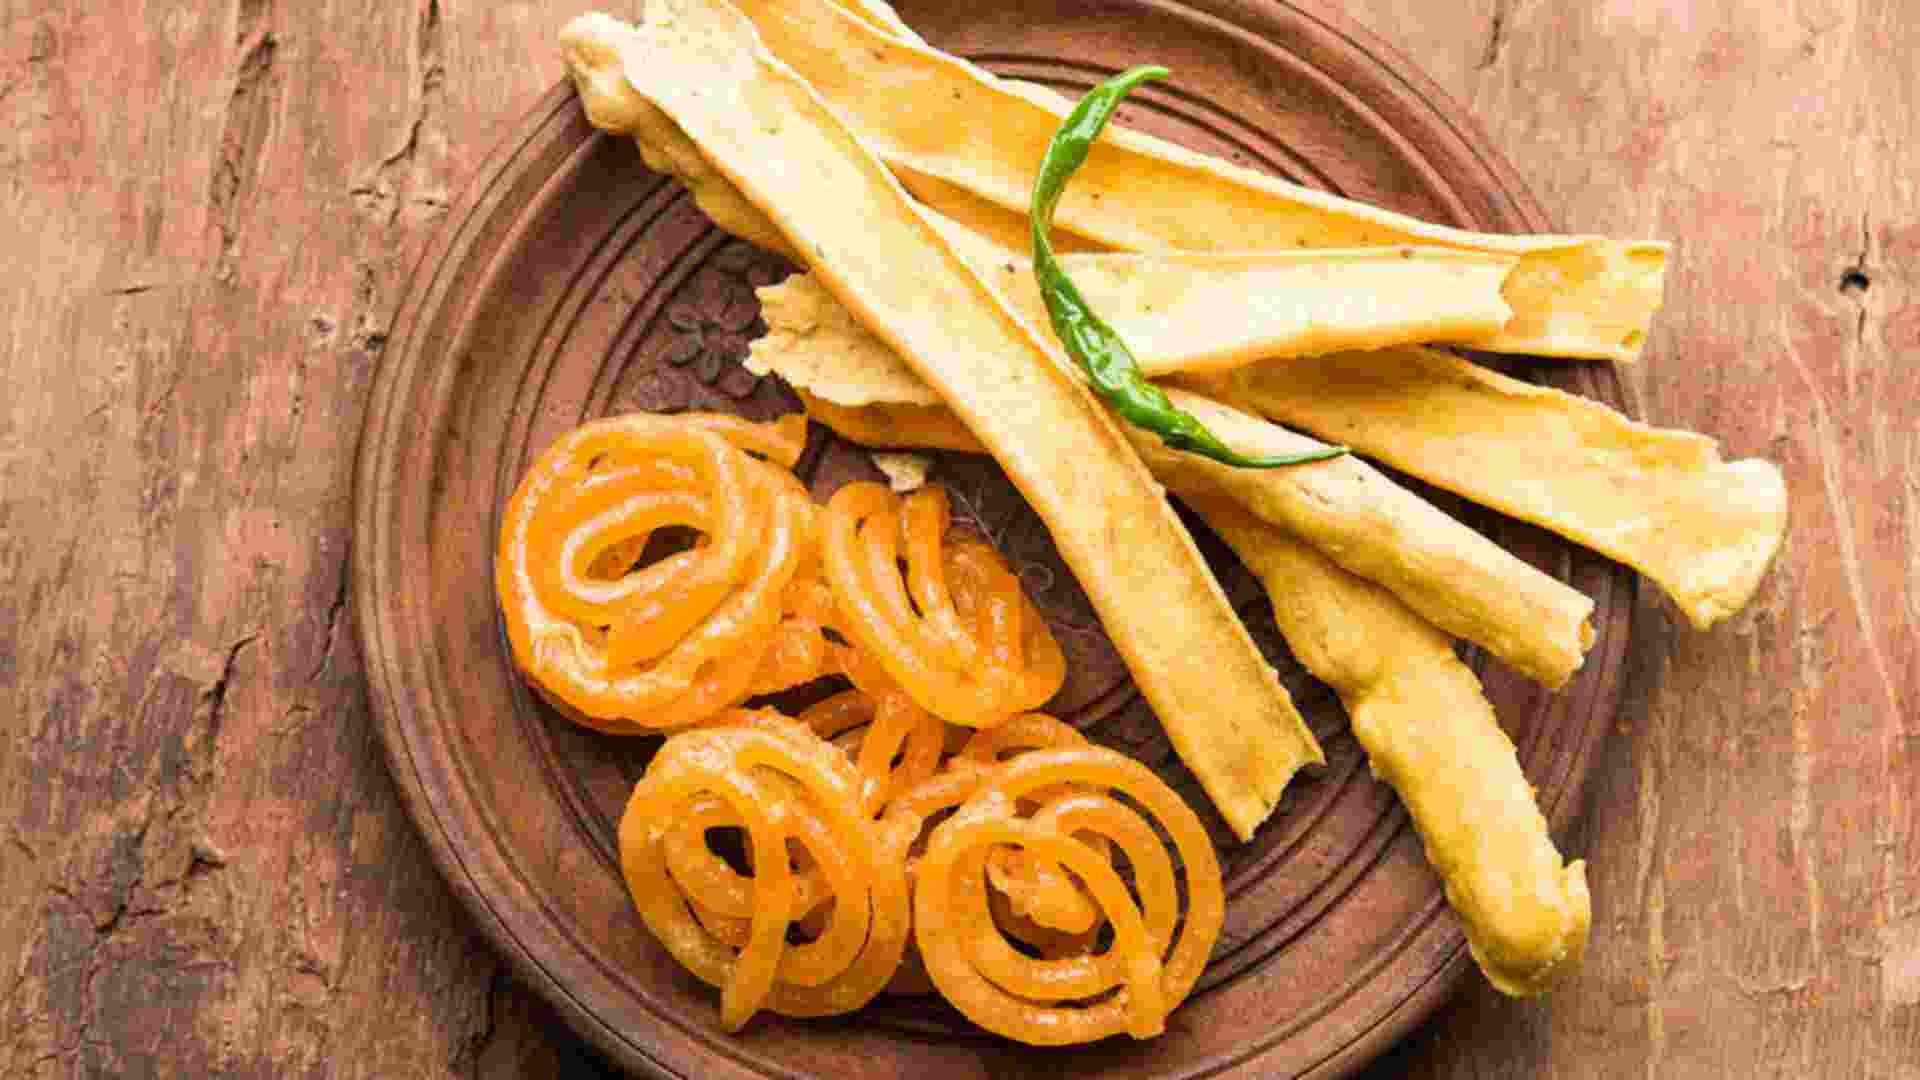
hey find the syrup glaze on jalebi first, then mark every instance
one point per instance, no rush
(958, 634)
(630, 649)
(1077, 996)
(907, 817)
(784, 787)
(878, 731)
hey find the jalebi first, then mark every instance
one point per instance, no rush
(958, 635)
(628, 648)
(1070, 997)
(904, 825)
(894, 727)
(785, 788)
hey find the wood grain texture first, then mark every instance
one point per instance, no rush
(205, 867)
(1752, 829)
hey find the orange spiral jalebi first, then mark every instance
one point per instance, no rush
(785, 788)
(1039, 902)
(957, 634)
(633, 649)
(904, 824)
(895, 727)
(1154, 958)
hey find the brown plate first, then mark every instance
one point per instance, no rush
(570, 283)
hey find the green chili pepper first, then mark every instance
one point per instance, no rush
(1109, 364)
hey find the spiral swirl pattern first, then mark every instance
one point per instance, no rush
(785, 788)
(955, 632)
(628, 648)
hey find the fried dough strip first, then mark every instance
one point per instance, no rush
(1659, 500)
(1181, 311)
(1197, 312)
(929, 114)
(881, 16)
(1430, 732)
(1006, 230)
(1188, 312)
(1453, 576)
(763, 128)
(898, 427)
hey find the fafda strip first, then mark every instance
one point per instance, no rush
(1429, 731)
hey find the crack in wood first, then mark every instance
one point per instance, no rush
(250, 109)
(1497, 35)
(298, 406)
(214, 698)
(293, 720)
(43, 45)
(468, 1059)
(369, 331)
(334, 611)
(380, 196)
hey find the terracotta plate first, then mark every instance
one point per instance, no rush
(570, 283)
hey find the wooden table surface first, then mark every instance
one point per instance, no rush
(209, 215)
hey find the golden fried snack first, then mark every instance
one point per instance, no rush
(633, 649)
(612, 106)
(1659, 500)
(1188, 311)
(903, 826)
(1212, 311)
(1419, 713)
(1002, 229)
(958, 634)
(883, 17)
(784, 787)
(1034, 899)
(799, 651)
(1454, 577)
(1080, 996)
(760, 125)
